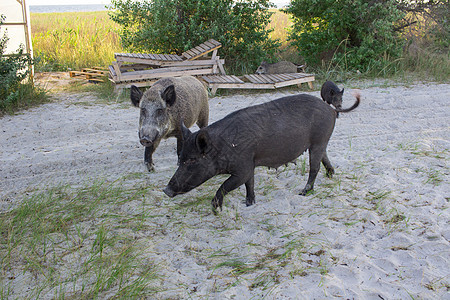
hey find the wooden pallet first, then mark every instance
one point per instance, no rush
(202, 49)
(92, 74)
(253, 81)
(144, 69)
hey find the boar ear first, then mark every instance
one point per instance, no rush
(202, 141)
(342, 92)
(169, 95)
(185, 132)
(135, 95)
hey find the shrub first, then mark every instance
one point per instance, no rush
(13, 70)
(174, 26)
(357, 34)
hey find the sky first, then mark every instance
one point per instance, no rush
(279, 3)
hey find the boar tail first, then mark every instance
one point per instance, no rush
(355, 105)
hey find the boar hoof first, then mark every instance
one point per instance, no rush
(150, 166)
(330, 173)
(305, 192)
(215, 205)
(249, 201)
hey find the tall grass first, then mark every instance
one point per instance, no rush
(73, 40)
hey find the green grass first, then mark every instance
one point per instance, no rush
(26, 96)
(73, 40)
(77, 244)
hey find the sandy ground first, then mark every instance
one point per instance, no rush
(378, 230)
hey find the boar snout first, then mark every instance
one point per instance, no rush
(149, 137)
(146, 142)
(169, 192)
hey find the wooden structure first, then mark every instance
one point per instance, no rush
(144, 69)
(17, 28)
(141, 69)
(92, 74)
(264, 81)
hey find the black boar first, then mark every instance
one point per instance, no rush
(163, 106)
(276, 68)
(269, 134)
(331, 94)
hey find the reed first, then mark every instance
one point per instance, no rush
(73, 40)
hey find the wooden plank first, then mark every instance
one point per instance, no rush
(122, 85)
(289, 76)
(201, 50)
(94, 71)
(208, 79)
(190, 53)
(214, 42)
(117, 69)
(196, 51)
(203, 47)
(214, 55)
(284, 77)
(253, 79)
(83, 74)
(245, 85)
(146, 76)
(276, 78)
(210, 44)
(112, 73)
(294, 81)
(265, 78)
(198, 63)
(218, 79)
(237, 79)
(168, 69)
(150, 62)
(222, 79)
(220, 64)
(227, 79)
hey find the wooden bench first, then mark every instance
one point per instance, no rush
(253, 81)
(145, 68)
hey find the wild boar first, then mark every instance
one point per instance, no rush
(163, 106)
(276, 68)
(269, 134)
(331, 94)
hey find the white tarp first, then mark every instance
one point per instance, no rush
(16, 25)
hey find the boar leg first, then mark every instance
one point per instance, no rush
(315, 157)
(179, 147)
(233, 182)
(326, 163)
(148, 158)
(250, 185)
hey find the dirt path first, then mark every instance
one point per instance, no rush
(396, 144)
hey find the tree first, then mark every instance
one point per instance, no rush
(173, 26)
(359, 34)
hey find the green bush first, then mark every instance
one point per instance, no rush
(355, 34)
(13, 71)
(174, 26)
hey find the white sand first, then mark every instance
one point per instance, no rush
(378, 230)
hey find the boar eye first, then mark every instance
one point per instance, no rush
(159, 112)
